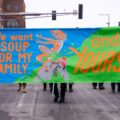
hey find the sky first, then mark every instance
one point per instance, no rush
(91, 13)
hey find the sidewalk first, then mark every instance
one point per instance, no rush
(82, 104)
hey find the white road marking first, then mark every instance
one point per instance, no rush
(20, 103)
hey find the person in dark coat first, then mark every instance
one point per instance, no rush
(101, 86)
(62, 92)
(70, 87)
(45, 86)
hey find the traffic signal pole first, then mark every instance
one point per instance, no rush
(53, 14)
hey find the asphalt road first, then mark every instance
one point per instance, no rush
(83, 103)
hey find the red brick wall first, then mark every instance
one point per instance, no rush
(1, 4)
(21, 5)
(13, 2)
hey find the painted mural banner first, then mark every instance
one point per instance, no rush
(77, 55)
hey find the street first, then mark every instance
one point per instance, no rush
(83, 103)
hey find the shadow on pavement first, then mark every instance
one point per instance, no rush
(4, 116)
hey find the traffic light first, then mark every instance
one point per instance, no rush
(80, 11)
(118, 23)
(54, 15)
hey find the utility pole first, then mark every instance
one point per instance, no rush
(108, 16)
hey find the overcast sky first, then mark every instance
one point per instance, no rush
(91, 15)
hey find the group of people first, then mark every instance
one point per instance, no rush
(59, 96)
(113, 86)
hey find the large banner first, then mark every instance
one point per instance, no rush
(60, 55)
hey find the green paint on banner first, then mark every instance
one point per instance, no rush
(89, 76)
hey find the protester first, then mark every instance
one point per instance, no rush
(45, 86)
(70, 87)
(101, 86)
(113, 87)
(51, 86)
(20, 86)
(62, 92)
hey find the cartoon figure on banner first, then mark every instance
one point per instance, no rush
(50, 67)
(60, 37)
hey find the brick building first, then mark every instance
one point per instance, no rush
(13, 6)
(1, 5)
(1, 12)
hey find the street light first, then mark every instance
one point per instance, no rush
(108, 15)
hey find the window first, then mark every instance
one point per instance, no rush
(12, 23)
(16, 7)
(8, 7)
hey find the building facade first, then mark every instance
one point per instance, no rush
(13, 6)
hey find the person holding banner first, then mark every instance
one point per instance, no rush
(113, 87)
(101, 87)
(20, 86)
(63, 87)
(62, 92)
(45, 86)
(70, 87)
